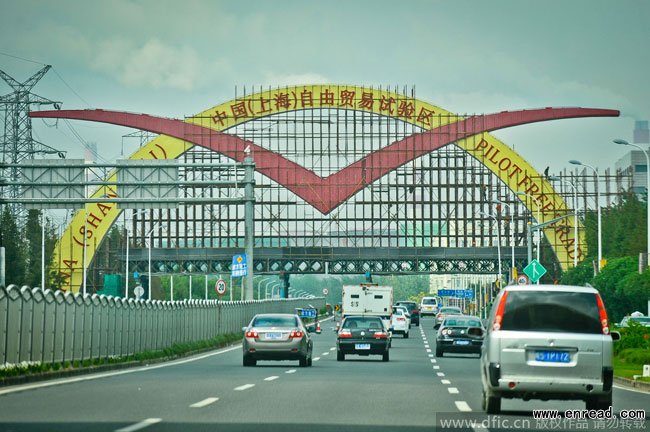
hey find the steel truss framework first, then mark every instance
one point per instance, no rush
(437, 202)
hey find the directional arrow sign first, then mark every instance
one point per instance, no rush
(535, 270)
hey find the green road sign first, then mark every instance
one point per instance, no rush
(535, 270)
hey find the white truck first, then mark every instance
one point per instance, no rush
(368, 299)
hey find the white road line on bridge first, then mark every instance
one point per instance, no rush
(271, 378)
(326, 353)
(244, 387)
(440, 374)
(433, 360)
(290, 371)
(452, 390)
(143, 424)
(426, 345)
(314, 359)
(462, 406)
(204, 402)
(445, 382)
(332, 349)
(19, 388)
(430, 355)
(436, 367)
(428, 350)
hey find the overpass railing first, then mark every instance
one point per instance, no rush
(54, 326)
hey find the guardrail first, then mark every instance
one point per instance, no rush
(54, 326)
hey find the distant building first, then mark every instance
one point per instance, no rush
(634, 163)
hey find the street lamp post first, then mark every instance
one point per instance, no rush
(149, 240)
(512, 235)
(520, 193)
(647, 175)
(258, 287)
(600, 233)
(498, 240)
(575, 216)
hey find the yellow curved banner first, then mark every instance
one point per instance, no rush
(94, 222)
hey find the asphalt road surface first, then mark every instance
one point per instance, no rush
(414, 391)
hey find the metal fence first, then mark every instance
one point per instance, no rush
(54, 326)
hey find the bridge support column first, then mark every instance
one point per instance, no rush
(249, 196)
(285, 285)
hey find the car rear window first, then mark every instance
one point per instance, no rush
(551, 311)
(273, 321)
(363, 323)
(462, 322)
(450, 310)
(429, 301)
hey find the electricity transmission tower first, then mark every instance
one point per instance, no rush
(17, 141)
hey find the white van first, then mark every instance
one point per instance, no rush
(429, 306)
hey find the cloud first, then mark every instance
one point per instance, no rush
(155, 64)
(281, 80)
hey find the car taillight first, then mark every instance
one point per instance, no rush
(603, 315)
(380, 335)
(401, 319)
(296, 334)
(252, 334)
(345, 333)
(498, 317)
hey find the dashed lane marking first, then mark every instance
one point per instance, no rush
(428, 350)
(332, 349)
(462, 406)
(314, 359)
(446, 382)
(452, 390)
(271, 378)
(143, 424)
(244, 387)
(433, 360)
(290, 371)
(326, 353)
(430, 355)
(204, 402)
(436, 367)
(440, 374)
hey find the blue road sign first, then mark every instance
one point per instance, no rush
(239, 265)
(307, 313)
(136, 275)
(446, 293)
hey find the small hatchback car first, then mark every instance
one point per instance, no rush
(362, 335)
(547, 342)
(277, 337)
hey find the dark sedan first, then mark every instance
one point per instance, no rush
(460, 334)
(413, 309)
(362, 335)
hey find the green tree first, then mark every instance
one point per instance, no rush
(15, 256)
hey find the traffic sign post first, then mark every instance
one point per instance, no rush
(535, 270)
(220, 287)
(522, 280)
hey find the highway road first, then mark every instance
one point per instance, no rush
(214, 392)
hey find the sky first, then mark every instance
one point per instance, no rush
(177, 58)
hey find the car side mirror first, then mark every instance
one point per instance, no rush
(436, 327)
(475, 331)
(311, 328)
(615, 335)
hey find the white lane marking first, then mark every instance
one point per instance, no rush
(332, 349)
(433, 360)
(430, 355)
(426, 345)
(204, 402)
(314, 359)
(436, 367)
(111, 374)
(452, 390)
(428, 350)
(290, 371)
(440, 374)
(446, 382)
(271, 378)
(462, 406)
(326, 353)
(244, 387)
(143, 424)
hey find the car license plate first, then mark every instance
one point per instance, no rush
(362, 346)
(274, 336)
(461, 342)
(552, 356)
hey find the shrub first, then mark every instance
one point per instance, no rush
(634, 336)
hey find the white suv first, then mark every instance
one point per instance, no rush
(428, 306)
(547, 342)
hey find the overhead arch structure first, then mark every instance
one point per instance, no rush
(325, 193)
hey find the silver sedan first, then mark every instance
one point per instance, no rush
(277, 337)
